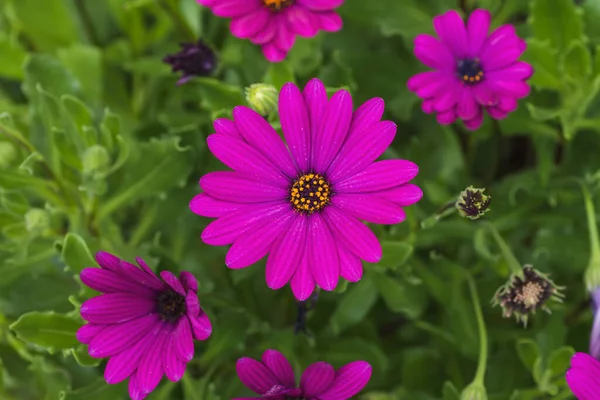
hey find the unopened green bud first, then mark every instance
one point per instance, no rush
(95, 159)
(37, 220)
(475, 391)
(8, 153)
(262, 98)
(472, 203)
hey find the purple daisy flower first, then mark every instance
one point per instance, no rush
(302, 203)
(273, 378)
(274, 24)
(584, 377)
(473, 72)
(143, 323)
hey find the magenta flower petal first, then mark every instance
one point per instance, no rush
(366, 116)
(207, 206)
(451, 30)
(302, 21)
(362, 150)
(316, 379)
(201, 327)
(355, 235)
(404, 195)
(370, 208)
(118, 337)
(87, 332)
(184, 346)
(142, 276)
(227, 127)
(135, 393)
(284, 38)
(303, 283)
(322, 253)
(265, 36)
(113, 308)
(150, 370)
(263, 137)
(255, 375)
(280, 367)
(315, 97)
(248, 25)
(477, 30)
(192, 304)
(255, 244)
(229, 186)
(379, 175)
(107, 261)
(273, 53)
(241, 157)
(350, 265)
(107, 281)
(333, 130)
(172, 281)
(582, 378)
(329, 21)
(349, 380)
(287, 253)
(471, 69)
(173, 367)
(235, 8)
(230, 227)
(321, 5)
(295, 124)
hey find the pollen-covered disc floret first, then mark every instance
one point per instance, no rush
(525, 293)
(310, 193)
(277, 5)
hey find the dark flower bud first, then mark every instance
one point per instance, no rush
(472, 203)
(525, 293)
(194, 59)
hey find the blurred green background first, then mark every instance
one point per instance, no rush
(99, 149)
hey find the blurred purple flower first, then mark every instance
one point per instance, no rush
(274, 378)
(473, 72)
(194, 59)
(584, 377)
(274, 24)
(143, 323)
(304, 208)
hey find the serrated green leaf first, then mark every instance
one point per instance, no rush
(217, 95)
(83, 358)
(76, 254)
(97, 390)
(85, 63)
(545, 61)
(578, 61)
(48, 330)
(543, 114)
(547, 16)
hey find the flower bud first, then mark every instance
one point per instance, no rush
(194, 59)
(475, 391)
(95, 159)
(472, 203)
(8, 153)
(525, 293)
(37, 221)
(262, 98)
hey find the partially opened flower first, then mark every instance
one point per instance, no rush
(146, 325)
(273, 378)
(274, 24)
(194, 59)
(584, 377)
(302, 203)
(472, 72)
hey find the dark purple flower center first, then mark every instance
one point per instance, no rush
(526, 295)
(171, 305)
(310, 193)
(277, 5)
(470, 71)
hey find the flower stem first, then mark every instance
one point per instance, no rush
(483, 346)
(592, 226)
(507, 253)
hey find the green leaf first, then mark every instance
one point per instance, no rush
(32, 16)
(51, 380)
(217, 95)
(354, 305)
(578, 61)
(157, 166)
(543, 114)
(557, 21)
(400, 296)
(395, 254)
(279, 74)
(85, 63)
(47, 330)
(529, 353)
(97, 390)
(560, 359)
(83, 358)
(47, 71)
(81, 119)
(544, 59)
(14, 202)
(75, 253)
(13, 56)
(450, 392)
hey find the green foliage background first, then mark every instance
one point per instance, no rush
(99, 149)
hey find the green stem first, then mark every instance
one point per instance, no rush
(185, 30)
(592, 226)
(507, 253)
(483, 346)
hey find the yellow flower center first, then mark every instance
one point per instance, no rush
(310, 193)
(277, 5)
